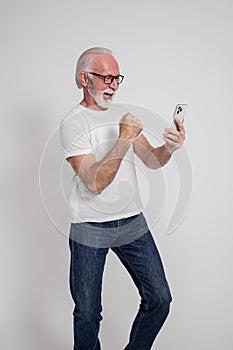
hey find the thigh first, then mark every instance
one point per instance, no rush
(143, 262)
(86, 270)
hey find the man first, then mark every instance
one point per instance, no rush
(100, 140)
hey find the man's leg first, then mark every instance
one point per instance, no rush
(142, 260)
(86, 271)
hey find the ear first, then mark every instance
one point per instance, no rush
(83, 78)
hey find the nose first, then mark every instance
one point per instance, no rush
(114, 85)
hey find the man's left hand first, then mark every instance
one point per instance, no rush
(174, 139)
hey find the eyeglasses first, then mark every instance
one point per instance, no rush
(108, 79)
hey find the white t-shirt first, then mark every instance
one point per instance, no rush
(84, 131)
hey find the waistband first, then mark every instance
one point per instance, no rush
(110, 233)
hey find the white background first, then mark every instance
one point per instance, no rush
(170, 51)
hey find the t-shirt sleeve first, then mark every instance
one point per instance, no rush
(74, 139)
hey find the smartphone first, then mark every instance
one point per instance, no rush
(179, 113)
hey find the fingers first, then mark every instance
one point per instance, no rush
(172, 143)
(173, 138)
(132, 120)
(130, 127)
(180, 133)
(180, 124)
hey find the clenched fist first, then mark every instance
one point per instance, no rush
(130, 127)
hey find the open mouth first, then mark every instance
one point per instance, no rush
(108, 94)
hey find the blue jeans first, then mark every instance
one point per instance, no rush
(142, 260)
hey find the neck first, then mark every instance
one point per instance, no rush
(94, 106)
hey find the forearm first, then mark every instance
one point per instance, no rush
(102, 173)
(98, 175)
(159, 157)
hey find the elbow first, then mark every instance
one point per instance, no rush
(156, 165)
(94, 189)
(153, 166)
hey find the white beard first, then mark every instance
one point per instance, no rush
(98, 95)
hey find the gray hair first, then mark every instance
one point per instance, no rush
(85, 61)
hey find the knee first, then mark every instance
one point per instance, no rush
(165, 303)
(159, 302)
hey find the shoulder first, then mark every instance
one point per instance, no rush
(73, 114)
(73, 119)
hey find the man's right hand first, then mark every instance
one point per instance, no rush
(130, 127)
(98, 175)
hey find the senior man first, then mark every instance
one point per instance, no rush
(100, 141)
